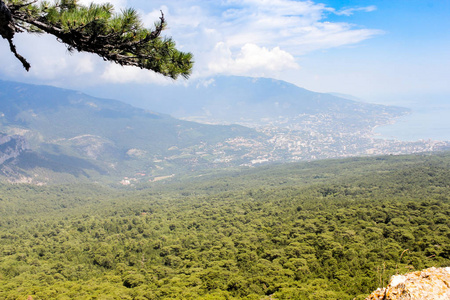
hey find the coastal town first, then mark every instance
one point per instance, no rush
(306, 138)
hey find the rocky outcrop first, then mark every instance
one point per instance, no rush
(11, 146)
(429, 284)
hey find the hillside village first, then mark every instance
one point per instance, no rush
(298, 142)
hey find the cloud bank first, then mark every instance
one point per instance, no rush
(236, 37)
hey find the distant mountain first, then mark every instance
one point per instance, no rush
(345, 96)
(253, 101)
(67, 129)
(50, 134)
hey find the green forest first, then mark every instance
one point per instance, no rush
(332, 229)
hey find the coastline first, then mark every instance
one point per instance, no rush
(431, 124)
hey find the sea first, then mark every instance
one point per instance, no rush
(429, 119)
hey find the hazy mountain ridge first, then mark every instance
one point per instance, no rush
(264, 100)
(250, 101)
(299, 124)
(114, 136)
(71, 135)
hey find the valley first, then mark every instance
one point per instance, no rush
(328, 229)
(224, 150)
(67, 136)
(100, 199)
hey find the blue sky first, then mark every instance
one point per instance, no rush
(380, 51)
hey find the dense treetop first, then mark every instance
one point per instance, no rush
(323, 230)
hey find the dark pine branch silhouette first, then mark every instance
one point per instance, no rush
(116, 37)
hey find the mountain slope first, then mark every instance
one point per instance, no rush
(297, 231)
(72, 136)
(254, 101)
(299, 124)
(62, 125)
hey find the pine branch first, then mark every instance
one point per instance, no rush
(7, 31)
(24, 62)
(117, 38)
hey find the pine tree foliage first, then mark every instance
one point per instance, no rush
(334, 229)
(117, 37)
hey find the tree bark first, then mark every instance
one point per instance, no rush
(7, 31)
(6, 23)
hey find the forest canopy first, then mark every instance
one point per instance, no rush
(322, 230)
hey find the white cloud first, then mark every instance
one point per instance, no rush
(47, 57)
(85, 64)
(205, 82)
(251, 59)
(244, 37)
(123, 74)
(325, 36)
(350, 11)
(285, 29)
(289, 24)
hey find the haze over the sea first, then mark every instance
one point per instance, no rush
(428, 120)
